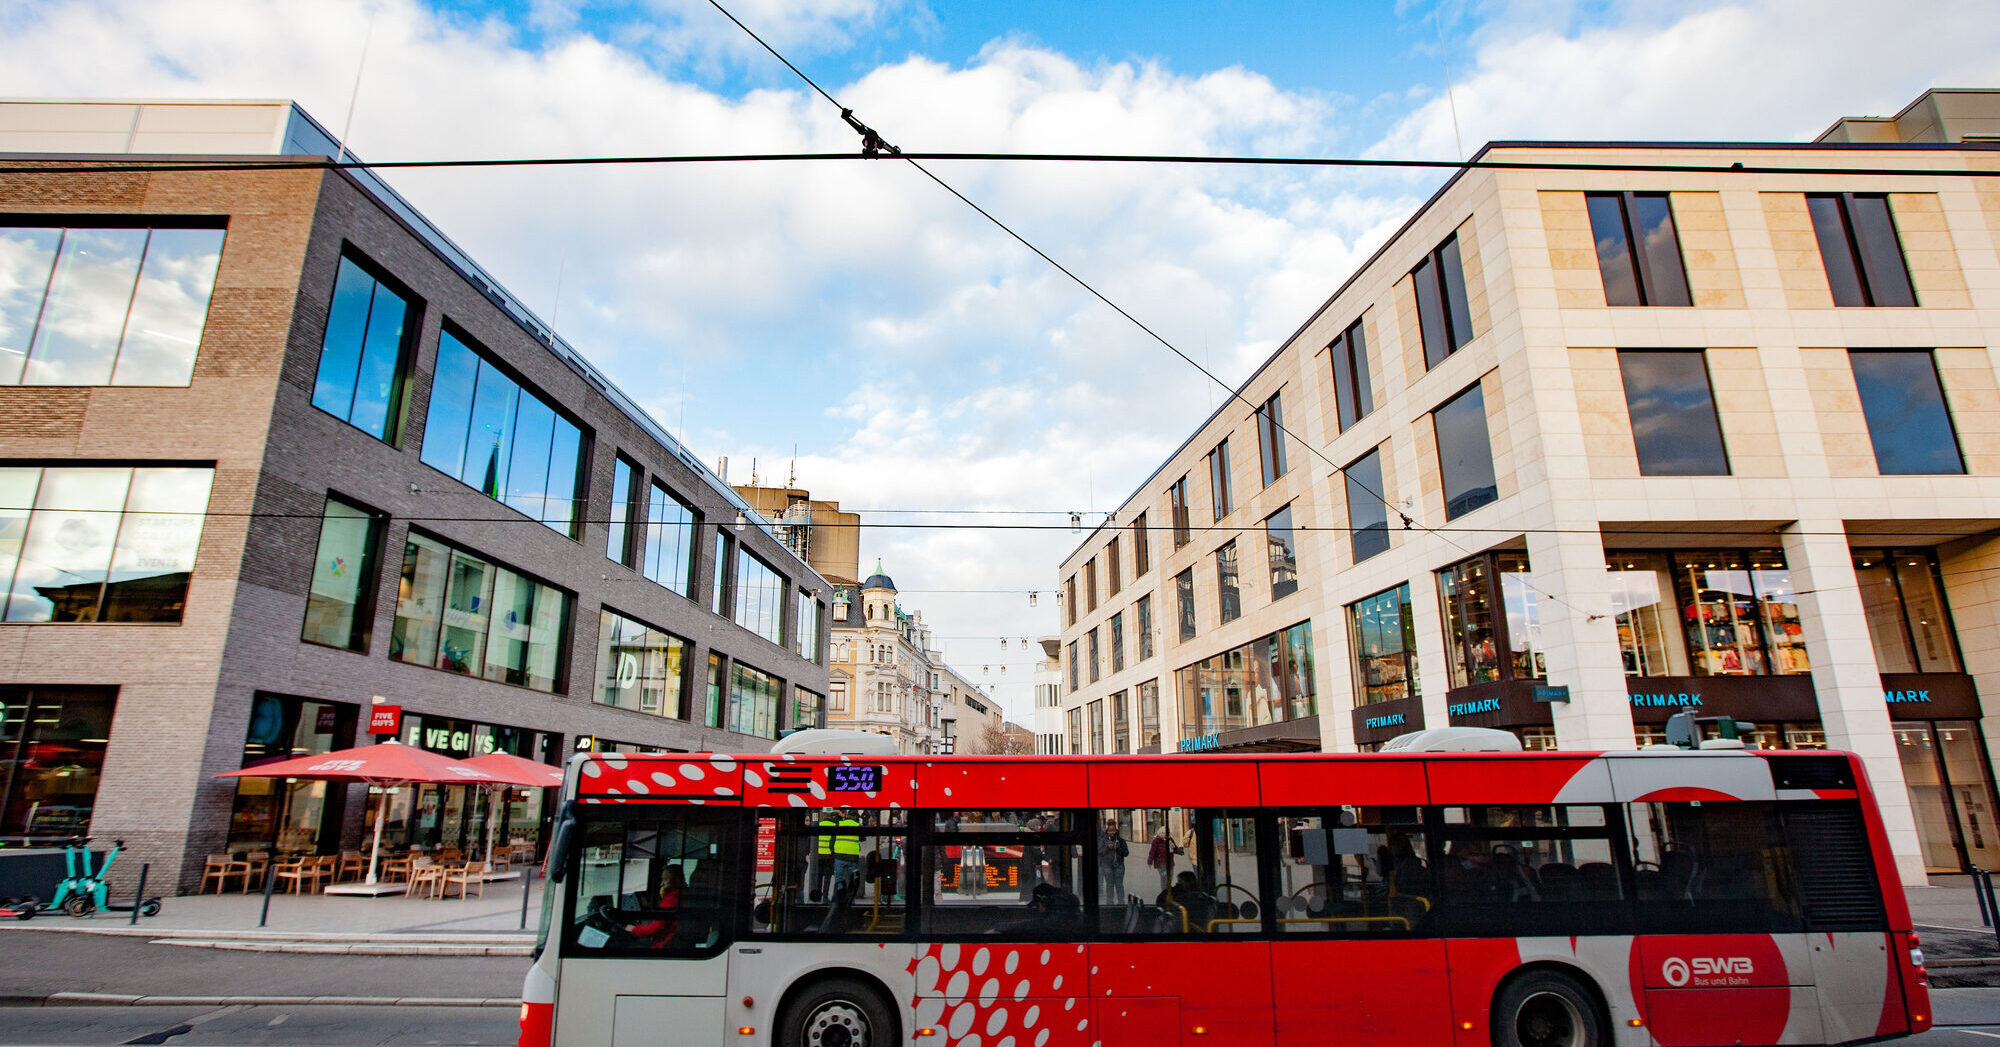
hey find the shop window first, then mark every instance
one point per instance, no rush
(52, 742)
(1740, 614)
(1111, 567)
(362, 357)
(1177, 502)
(760, 597)
(505, 440)
(1531, 869)
(340, 603)
(619, 542)
(1149, 713)
(1118, 642)
(1465, 453)
(1444, 313)
(1382, 632)
(833, 874)
(1353, 396)
(1228, 594)
(1271, 439)
(640, 667)
(99, 545)
(1143, 611)
(1367, 510)
(460, 613)
(1090, 643)
(1268, 680)
(1184, 597)
(104, 305)
(1142, 554)
(1004, 874)
(1481, 647)
(1647, 619)
(653, 884)
(1282, 553)
(1858, 244)
(753, 702)
(1637, 249)
(1908, 422)
(281, 815)
(1902, 593)
(1218, 479)
(1097, 727)
(1674, 427)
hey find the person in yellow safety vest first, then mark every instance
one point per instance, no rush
(846, 849)
(822, 859)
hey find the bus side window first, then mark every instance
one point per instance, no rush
(652, 883)
(833, 873)
(1011, 873)
(1359, 871)
(1147, 884)
(1716, 867)
(1525, 869)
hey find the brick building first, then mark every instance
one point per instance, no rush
(275, 454)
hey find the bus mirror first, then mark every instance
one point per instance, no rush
(561, 847)
(1681, 730)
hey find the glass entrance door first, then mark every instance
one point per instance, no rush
(1971, 787)
(1951, 794)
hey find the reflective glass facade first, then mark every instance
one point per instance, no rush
(340, 606)
(640, 667)
(670, 529)
(461, 613)
(83, 544)
(760, 597)
(490, 433)
(361, 357)
(1264, 681)
(1383, 634)
(753, 702)
(1465, 453)
(1908, 422)
(102, 305)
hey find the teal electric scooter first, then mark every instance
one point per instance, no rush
(83, 892)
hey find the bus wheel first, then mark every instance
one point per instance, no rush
(837, 1013)
(1547, 1009)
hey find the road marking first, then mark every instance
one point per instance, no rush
(279, 1020)
(1976, 1032)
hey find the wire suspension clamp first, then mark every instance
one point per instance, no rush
(871, 143)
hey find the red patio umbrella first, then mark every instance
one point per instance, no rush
(390, 763)
(512, 770)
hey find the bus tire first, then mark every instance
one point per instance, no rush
(1548, 1008)
(838, 1012)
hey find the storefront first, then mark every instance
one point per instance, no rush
(52, 742)
(1259, 697)
(1388, 699)
(284, 815)
(1493, 648)
(435, 816)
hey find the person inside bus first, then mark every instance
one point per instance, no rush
(1053, 913)
(1186, 896)
(846, 848)
(660, 908)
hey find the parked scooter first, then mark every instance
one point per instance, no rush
(19, 908)
(83, 892)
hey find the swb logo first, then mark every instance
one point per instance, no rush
(1679, 972)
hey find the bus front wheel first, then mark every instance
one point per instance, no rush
(1547, 1009)
(837, 1013)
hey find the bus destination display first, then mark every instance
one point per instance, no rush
(853, 778)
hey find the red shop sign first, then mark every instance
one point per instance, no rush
(385, 719)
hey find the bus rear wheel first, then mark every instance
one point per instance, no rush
(1547, 1009)
(837, 1013)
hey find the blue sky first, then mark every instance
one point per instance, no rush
(916, 357)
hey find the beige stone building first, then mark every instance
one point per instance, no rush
(815, 530)
(1586, 443)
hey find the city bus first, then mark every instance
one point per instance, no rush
(1458, 898)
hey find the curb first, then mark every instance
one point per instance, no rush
(108, 999)
(340, 948)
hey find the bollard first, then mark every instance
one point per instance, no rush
(527, 889)
(270, 879)
(139, 899)
(1979, 895)
(1992, 903)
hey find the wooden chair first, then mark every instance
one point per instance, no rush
(353, 865)
(396, 868)
(450, 856)
(251, 867)
(468, 876)
(427, 878)
(305, 874)
(216, 869)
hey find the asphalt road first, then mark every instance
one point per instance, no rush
(198, 1026)
(37, 963)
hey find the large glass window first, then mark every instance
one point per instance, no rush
(1674, 426)
(361, 358)
(1717, 867)
(1177, 502)
(1367, 508)
(1184, 597)
(1143, 612)
(1118, 642)
(1090, 644)
(1097, 727)
(1111, 568)
(807, 708)
(1228, 595)
(640, 667)
(1506, 868)
(719, 595)
(832, 875)
(1282, 550)
(1076, 727)
(753, 702)
(489, 432)
(653, 884)
(1149, 713)
(1444, 314)
(1742, 617)
(1069, 598)
(1465, 453)
(1074, 668)
(1353, 396)
(103, 306)
(1142, 555)
(807, 613)
(1010, 874)
(1903, 403)
(1637, 249)
(1265, 681)
(1218, 479)
(460, 613)
(99, 545)
(618, 543)
(1647, 619)
(52, 743)
(670, 529)
(1354, 871)
(760, 597)
(1271, 439)
(1903, 595)
(1383, 633)
(340, 604)
(1121, 723)
(1090, 584)
(1858, 243)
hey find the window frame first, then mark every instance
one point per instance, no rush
(1896, 423)
(1220, 495)
(1863, 261)
(1662, 463)
(365, 606)
(1358, 495)
(1142, 553)
(1177, 502)
(1448, 299)
(1650, 285)
(1284, 579)
(397, 418)
(1353, 390)
(1492, 486)
(1228, 582)
(1270, 419)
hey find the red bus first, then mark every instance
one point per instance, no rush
(1457, 899)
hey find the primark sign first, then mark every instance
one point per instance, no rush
(1377, 722)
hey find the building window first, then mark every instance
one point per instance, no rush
(1271, 439)
(1902, 592)
(1674, 427)
(640, 667)
(720, 594)
(836, 696)
(1149, 713)
(1142, 553)
(1184, 596)
(1266, 681)
(1228, 595)
(1475, 636)
(1143, 613)
(1444, 315)
(808, 613)
(464, 614)
(1076, 731)
(491, 433)
(1282, 548)
(1465, 454)
(1367, 511)
(1353, 395)
(1075, 671)
(712, 711)
(1383, 633)
(104, 306)
(1090, 644)
(753, 702)
(1218, 479)
(1718, 613)
(1111, 568)
(1903, 403)
(618, 543)
(1858, 244)
(99, 545)
(671, 525)
(361, 357)
(1118, 642)
(807, 709)
(1177, 502)
(340, 603)
(1121, 724)
(50, 773)
(1069, 599)
(1637, 249)
(760, 597)
(1090, 585)
(1097, 727)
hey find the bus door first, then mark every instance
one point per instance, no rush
(646, 924)
(1181, 910)
(1722, 924)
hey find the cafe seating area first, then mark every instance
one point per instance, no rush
(443, 873)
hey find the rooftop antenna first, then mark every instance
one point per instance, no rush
(555, 310)
(1451, 103)
(792, 474)
(753, 472)
(340, 157)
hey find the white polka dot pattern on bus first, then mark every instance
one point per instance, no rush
(1003, 995)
